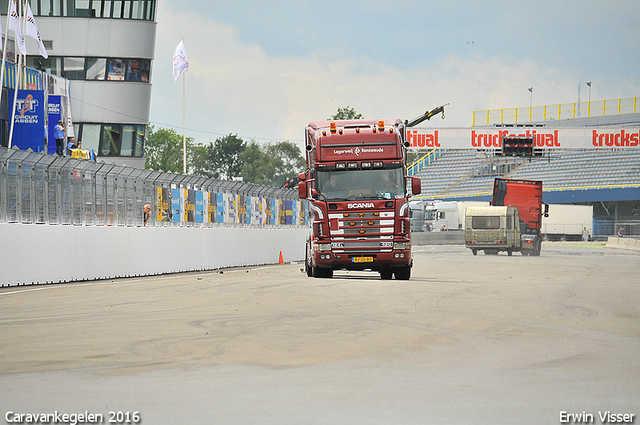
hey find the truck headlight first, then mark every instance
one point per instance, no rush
(323, 247)
(401, 245)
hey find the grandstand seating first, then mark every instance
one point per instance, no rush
(452, 174)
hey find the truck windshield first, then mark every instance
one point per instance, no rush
(361, 184)
(481, 222)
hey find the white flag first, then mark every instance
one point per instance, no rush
(32, 31)
(14, 25)
(180, 61)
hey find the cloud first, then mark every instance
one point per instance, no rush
(235, 86)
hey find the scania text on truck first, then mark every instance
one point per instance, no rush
(513, 221)
(356, 184)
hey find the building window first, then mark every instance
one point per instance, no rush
(115, 9)
(112, 139)
(110, 144)
(73, 68)
(51, 65)
(96, 68)
(89, 135)
(93, 69)
(117, 69)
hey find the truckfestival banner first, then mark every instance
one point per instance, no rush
(544, 138)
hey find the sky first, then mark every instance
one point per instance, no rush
(263, 70)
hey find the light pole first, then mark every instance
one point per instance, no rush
(589, 102)
(530, 104)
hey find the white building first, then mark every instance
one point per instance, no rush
(105, 48)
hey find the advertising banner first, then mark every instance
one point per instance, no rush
(544, 138)
(163, 204)
(29, 127)
(189, 205)
(210, 207)
(199, 206)
(176, 205)
(248, 214)
(230, 208)
(219, 208)
(56, 113)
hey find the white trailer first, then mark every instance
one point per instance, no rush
(567, 222)
(448, 215)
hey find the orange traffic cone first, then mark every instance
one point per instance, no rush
(280, 260)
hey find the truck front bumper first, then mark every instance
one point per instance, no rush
(362, 260)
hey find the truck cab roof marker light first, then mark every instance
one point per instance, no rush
(332, 127)
(381, 125)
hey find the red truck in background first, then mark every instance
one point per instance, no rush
(512, 223)
(356, 184)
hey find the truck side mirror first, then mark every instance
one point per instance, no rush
(302, 190)
(416, 185)
(546, 210)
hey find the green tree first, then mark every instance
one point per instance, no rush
(203, 163)
(286, 162)
(222, 159)
(346, 114)
(163, 150)
(255, 164)
(273, 164)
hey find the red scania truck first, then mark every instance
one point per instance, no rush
(356, 183)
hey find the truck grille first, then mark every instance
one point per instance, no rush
(371, 231)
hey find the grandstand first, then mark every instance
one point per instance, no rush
(568, 175)
(468, 174)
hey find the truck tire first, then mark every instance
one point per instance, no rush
(537, 248)
(510, 252)
(403, 273)
(322, 273)
(474, 251)
(386, 274)
(307, 263)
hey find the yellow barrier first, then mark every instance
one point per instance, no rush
(594, 108)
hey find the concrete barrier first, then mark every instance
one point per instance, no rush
(453, 237)
(623, 243)
(35, 254)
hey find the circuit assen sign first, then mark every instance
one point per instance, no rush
(491, 138)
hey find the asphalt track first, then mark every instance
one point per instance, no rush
(468, 340)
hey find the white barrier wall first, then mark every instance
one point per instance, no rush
(35, 254)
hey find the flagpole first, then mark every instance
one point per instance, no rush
(184, 119)
(16, 87)
(4, 48)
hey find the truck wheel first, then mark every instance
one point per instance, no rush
(509, 252)
(403, 273)
(386, 274)
(537, 248)
(322, 273)
(474, 251)
(307, 265)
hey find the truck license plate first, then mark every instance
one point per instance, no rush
(362, 259)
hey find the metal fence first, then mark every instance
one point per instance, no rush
(46, 189)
